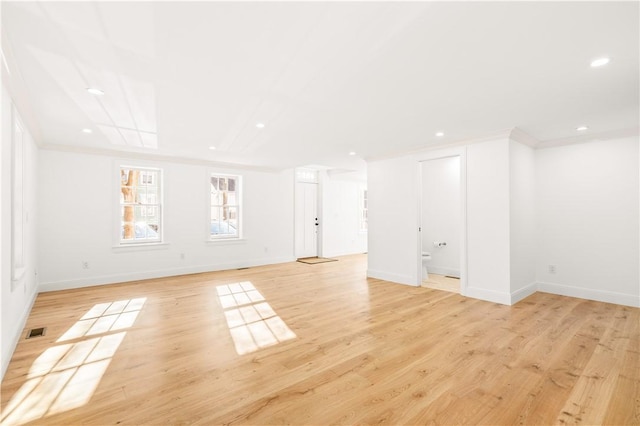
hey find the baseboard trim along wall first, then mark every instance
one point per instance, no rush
(160, 273)
(524, 292)
(590, 294)
(489, 295)
(394, 278)
(443, 271)
(17, 334)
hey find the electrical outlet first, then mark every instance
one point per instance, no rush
(85, 264)
(552, 269)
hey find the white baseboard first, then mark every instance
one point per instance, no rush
(394, 278)
(17, 334)
(590, 294)
(159, 273)
(489, 295)
(526, 291)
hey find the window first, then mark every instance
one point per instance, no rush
(140, 205)
(225, 206)
(364, 222)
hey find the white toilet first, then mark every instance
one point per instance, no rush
(426, 256)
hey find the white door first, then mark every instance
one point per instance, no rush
(306, 219)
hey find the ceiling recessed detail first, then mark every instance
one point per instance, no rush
(212, 148)
(376, 78)
(600, 62)
(87, 131)
(352, 153)
(95, 91)
(582, 128)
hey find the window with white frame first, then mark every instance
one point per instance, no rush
(140, 205)
(364, 223)
(225, 206)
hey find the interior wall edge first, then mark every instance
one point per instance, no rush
(394, 278)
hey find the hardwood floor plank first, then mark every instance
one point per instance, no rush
(325, 345)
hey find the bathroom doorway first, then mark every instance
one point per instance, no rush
(442, 236)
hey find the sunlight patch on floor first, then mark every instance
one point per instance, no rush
(65, 376)
(252, 323)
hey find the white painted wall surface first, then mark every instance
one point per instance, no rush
(488, 221)
(441, 214)
(393, 220)
(16, 303)
(587, 208)
(79, 213)
(340, 224)
(522, 220)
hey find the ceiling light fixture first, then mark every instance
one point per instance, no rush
(600, 62)
(440, 134)
(212, 148)
(582, 128)
(95, 91)
(87, 131)
(260, 125)
(352, 153)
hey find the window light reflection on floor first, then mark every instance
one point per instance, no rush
(65, 376)
(252, 323)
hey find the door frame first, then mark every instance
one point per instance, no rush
(318, 185)
(460, 152)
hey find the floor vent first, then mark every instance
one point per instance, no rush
(449, 276)
(36, 332)
(241, 269)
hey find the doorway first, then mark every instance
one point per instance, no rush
(306, 214)
(441, 223)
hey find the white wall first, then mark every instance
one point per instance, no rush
(488, 220)
(340, 215)
(522, 220)
(587, 209)
(79, 222)
(16, 302)
(440, 221)
(393, 220)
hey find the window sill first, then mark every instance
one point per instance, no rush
(224, 241)
(127, 248)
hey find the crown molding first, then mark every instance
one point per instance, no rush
(594, 137)
(156, 157)
(500, 134)
(519, 135)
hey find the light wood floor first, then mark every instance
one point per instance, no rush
(322, 345)
(442, 282)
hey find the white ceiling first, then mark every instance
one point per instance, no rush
(325, 78)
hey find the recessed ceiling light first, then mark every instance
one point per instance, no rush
(439, 134)
(582, 128)
(95, 91)
(260, 125)
(352, 153)
(87, 131)
(600, 62)
(212, 148)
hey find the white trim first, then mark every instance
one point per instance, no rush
(159, 273)
(524, 138)
(129, 247)
(146, 156)
(489, 295)
(448, 152)
(443, 271)
(590, 294)
(224, 241)
(590, 137)
(17, 335)
(394, 278)
(523, 293)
